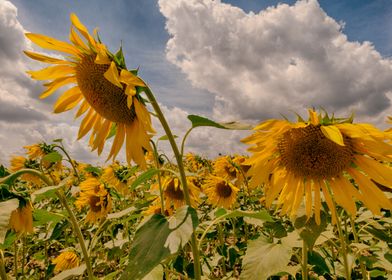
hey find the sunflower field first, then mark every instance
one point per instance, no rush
(311, 200)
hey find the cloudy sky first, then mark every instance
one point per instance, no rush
(245, 60)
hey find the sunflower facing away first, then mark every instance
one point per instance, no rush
(320, 157)
(106, 91)
(21, 220)
(174, 195)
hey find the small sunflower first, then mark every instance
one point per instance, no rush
(34, 151)
(38, 151)
(322, 155)
(66, 260)
(21, 220)
(94, 195)
(173, 193)
(107, 92)
(193, 162)
(20, 162)
(116, 176)
(220, 192)
(223, 167)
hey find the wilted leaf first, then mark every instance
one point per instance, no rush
(202, 121)
(6, 207)
(155, 274)
(120, 214)
(70, 273)
(263, 259)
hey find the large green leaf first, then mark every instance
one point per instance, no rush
(144, 177)
(42, 217)
(6, 207)
(262, 215)
(147, 249)
(181, 226)
(44, 193)
(263, 259)
(309, 230)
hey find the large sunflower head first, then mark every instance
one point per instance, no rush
(94, 195)
(333, 157)
(220, 191)
(108, 94)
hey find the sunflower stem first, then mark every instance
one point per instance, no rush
(356, 239)
(61, 147)
(79, 235)
(156, 159)
(183, 140)
(162, 119)
(304, 260)
(3, 273)
(16, 259)
(15, 175)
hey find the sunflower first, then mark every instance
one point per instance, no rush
(220, 191)
(224, 167)
(322, 155)
(38, 151)
(20, 162)
(21, 220)
(116, 176)
(94, 195)
(66, 260)
(174, 195)
(34, 151)
(107, 92)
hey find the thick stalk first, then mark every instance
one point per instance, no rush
(3, 274)
(356, 239)
(16, 260)
(78, 232)
(11, 178)
(304, 260)
(161, 117)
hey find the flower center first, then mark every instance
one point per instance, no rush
(174, 193)
(223, 190)
(95, 204)
(107, 99)
(308, 153)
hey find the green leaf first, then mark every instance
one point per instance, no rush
(376, 273)
(112, 132)
(262, 215)
(309, 230)
(155, 274)
(42, 217)
(59, 140)
(6, 207)
(182, 225)
(236, 126)
(165, 137)
(122, 213)
(53, 157)
(44, 193)
(263, 259)
(144, 177)
(147, 249)
(201, 121)
(9, 240)
(318, 262)
(70, 273)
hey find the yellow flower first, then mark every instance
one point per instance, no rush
(224, 168)
(300, 159)
(34, 151)
(220, 191)
(21, 220)
(66, 260)
(104, 88)
(173, 193)
(112, 176)
(20, 162)
(193, 162)
(94, 195)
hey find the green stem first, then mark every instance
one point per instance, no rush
(356, 239)
(16, 260)
(181, 169)
(222, 243)
(3, 273)
(342, 238)
(183, 141)
(304, 260)
(15, 175)
(78, 232)
(69, 159)
(23, 253)
(156, 159)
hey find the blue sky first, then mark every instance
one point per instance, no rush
(228, 60)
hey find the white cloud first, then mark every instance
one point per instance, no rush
(281, 59)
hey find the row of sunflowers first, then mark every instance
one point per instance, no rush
(311, 201)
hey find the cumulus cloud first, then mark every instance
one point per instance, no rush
(281, 59)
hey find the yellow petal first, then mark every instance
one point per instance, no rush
(308, 198)
(53, 72)
(52, 44)
(129, 78)
(129, 101)
(56, 84)
(76, 40)
(118, 141)
(102, 55)
(82, 29)
(68, 100)
(329, 201)
(314, 119)
(82, 109)
(317, 201)
(333, 133)
(112, 75)
(46, 59)
(377, 171)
